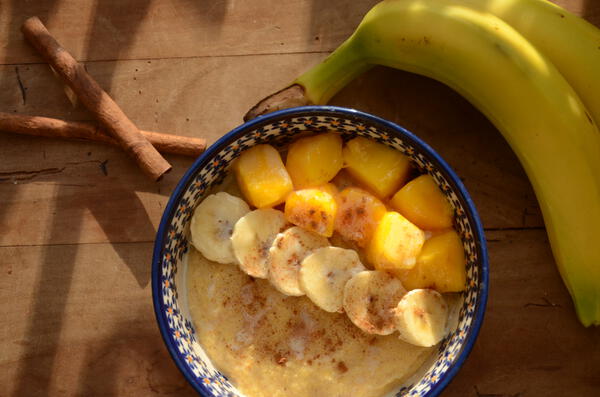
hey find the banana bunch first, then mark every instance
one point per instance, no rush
(528, 65)
(299, 262)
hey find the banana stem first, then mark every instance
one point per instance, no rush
(319, 84)
(343, 65)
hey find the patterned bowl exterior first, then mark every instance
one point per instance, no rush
(278, 129)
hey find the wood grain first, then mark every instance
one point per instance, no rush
(77, 234)
(531, 343)
(80, 323)
(114, 29)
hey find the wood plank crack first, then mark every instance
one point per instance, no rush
(166, 58)
(546, 303)
(28, 175)
(14, 176)
(21, 86)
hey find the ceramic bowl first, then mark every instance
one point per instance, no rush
(279, 128)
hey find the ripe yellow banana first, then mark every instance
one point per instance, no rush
(569, 42)
(515, 86)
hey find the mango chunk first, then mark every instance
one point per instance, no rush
(343, 180)
(441, 265)
(396, 243)
(313, 209)
(358, 214)
(262, 177)
(422, 202)
(382, 169)
(314, 160)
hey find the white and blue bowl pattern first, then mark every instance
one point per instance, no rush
(278, 129)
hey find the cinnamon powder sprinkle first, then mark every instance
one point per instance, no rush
(280, 359)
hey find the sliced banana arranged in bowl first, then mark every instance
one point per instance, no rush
(421, 317)
(252, 238)
(324, 274)
(370, 298)
(298, 262)
(287, 253)
(212, 225)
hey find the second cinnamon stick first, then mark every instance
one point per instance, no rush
(106, 111)
(56, 128)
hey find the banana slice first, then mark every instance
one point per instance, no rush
(370, 298)
(421, 317)
(252, 237)
(324, 274)
(212, 225)
(286, 254)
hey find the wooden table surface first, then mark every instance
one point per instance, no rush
(77, 219)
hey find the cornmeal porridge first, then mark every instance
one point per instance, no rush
(271, 345)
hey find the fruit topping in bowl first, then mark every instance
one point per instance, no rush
(262, 177)
(355, 236)
(315, 160)
(359, 212)
(382, 169)
(314, 209)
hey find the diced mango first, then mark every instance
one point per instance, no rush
(314, 160)
(382, 169)
(329, 188)
(262, 177)
(396, 243)
(358, 214)
(313, 209)
(343, 179)
(422, 202)
(441, 265)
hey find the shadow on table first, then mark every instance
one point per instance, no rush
(50, 301)
(131, 361)
(54, 281)
(19, 12)
(327, 17)
(591, 12)
(52, 292)
(114, 27)
(16, 12)
(119, 21)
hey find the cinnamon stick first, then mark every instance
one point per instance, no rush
(105, 110)
(55, 128)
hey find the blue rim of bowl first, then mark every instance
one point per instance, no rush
(234, 134)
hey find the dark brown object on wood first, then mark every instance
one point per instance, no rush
(283, 99)
(55, 128)
(106, 111)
